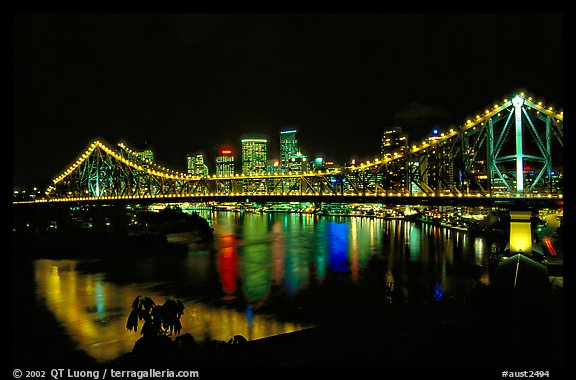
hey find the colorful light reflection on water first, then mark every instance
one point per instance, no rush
(253, 254)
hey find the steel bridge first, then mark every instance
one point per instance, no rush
(503, 154)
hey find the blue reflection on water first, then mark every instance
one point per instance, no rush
(438, 292)
(337, 235)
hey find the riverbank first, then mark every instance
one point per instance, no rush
(65, 245)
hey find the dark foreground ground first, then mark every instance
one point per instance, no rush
(508, 335)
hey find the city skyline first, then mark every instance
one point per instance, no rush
(198, 82)
(210, 164)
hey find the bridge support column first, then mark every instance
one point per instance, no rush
(98, 219)
(63, 218)
(520, 232)
(120, 220)
(110, 220)
(518, 102)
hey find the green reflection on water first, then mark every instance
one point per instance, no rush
(94, 311)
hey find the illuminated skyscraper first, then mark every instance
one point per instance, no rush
(288, 148)
(557, 179)
(225, 163)
(254, 156)
(272, 166)
(195, 164)
(298, 164)
(393, 141)
(145, 153)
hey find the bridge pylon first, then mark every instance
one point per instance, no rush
(520, 232)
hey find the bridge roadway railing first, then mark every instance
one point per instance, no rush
(506, 201)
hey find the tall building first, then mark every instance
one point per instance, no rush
(288, 148)
(254, 156)
(330, 167)
(145, 153)
(393, 140)
(557, 178)
(195, 165)
(298, 164)
(225, 163)
(272, 166)
(317, 164)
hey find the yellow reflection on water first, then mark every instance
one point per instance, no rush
(94, 311)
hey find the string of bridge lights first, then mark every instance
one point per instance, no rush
(255, 194)
(159, 167)
(471, 124)
(264, 194)
(166, 173)
(160, 171)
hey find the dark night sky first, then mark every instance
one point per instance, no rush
(190, 82)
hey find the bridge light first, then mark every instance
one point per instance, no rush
(517, 101)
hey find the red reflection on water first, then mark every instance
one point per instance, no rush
(228, 264)
(550, 246)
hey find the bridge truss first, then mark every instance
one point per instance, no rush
(507, 150)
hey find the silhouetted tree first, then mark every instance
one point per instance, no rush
(158, 319)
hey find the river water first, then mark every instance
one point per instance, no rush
(265, 274)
